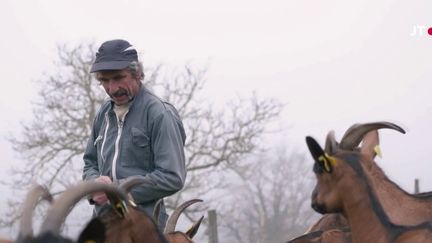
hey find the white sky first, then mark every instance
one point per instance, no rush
(334, 63)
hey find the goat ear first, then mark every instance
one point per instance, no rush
(370, 145)
(94, 232)
(314, 148)
(194, 229)
(321, 158)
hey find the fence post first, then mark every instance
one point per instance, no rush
(416, 186)
(213, 233)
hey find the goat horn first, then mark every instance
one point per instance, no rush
(172, 220)
(194, 229)
(65, 202)
(156, 210)
(32, 199)
(330, 144)
(134, 181)
(354, 135)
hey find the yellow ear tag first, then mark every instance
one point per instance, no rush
(332, 160)
(121, 208)
(377, 151)
(328, 162)
(89, 241)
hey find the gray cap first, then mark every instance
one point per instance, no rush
(114, 55)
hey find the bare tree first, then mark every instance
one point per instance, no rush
(53, 142)
(272, 202)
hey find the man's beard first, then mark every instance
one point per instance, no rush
(122, 92)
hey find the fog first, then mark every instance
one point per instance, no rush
(334, 63)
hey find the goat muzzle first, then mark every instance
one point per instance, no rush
(319, 208)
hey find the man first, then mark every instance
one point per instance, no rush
(134, 133)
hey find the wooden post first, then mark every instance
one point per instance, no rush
(213, 233)
(416, 186)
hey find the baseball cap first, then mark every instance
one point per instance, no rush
(114, 55)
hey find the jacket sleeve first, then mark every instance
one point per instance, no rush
(169, 174)
(91, 170)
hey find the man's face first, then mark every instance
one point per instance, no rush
(120, 85)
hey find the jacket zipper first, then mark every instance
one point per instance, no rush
(120, 123)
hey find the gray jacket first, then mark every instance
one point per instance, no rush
(149, 142)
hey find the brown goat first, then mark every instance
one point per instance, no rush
(342, 186)
(133, 226)
(401, 206)
(410, 210)
(50, 228)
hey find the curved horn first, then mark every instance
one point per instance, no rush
(330, 144)
(172, 220)
(64, 204)
(194, 229)
(32, 199)
(156, 210)
(354, 135)
(134, 181)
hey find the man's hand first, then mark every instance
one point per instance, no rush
(100, 198)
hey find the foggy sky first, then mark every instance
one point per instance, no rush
(334, 63)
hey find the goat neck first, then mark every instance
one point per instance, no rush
(369, 220)
(367, 225)
(402, 207)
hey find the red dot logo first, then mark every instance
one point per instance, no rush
(430, 31)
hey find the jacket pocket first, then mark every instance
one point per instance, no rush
(139, 153)
(139, 138)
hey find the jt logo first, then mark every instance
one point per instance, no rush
(420, 30)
